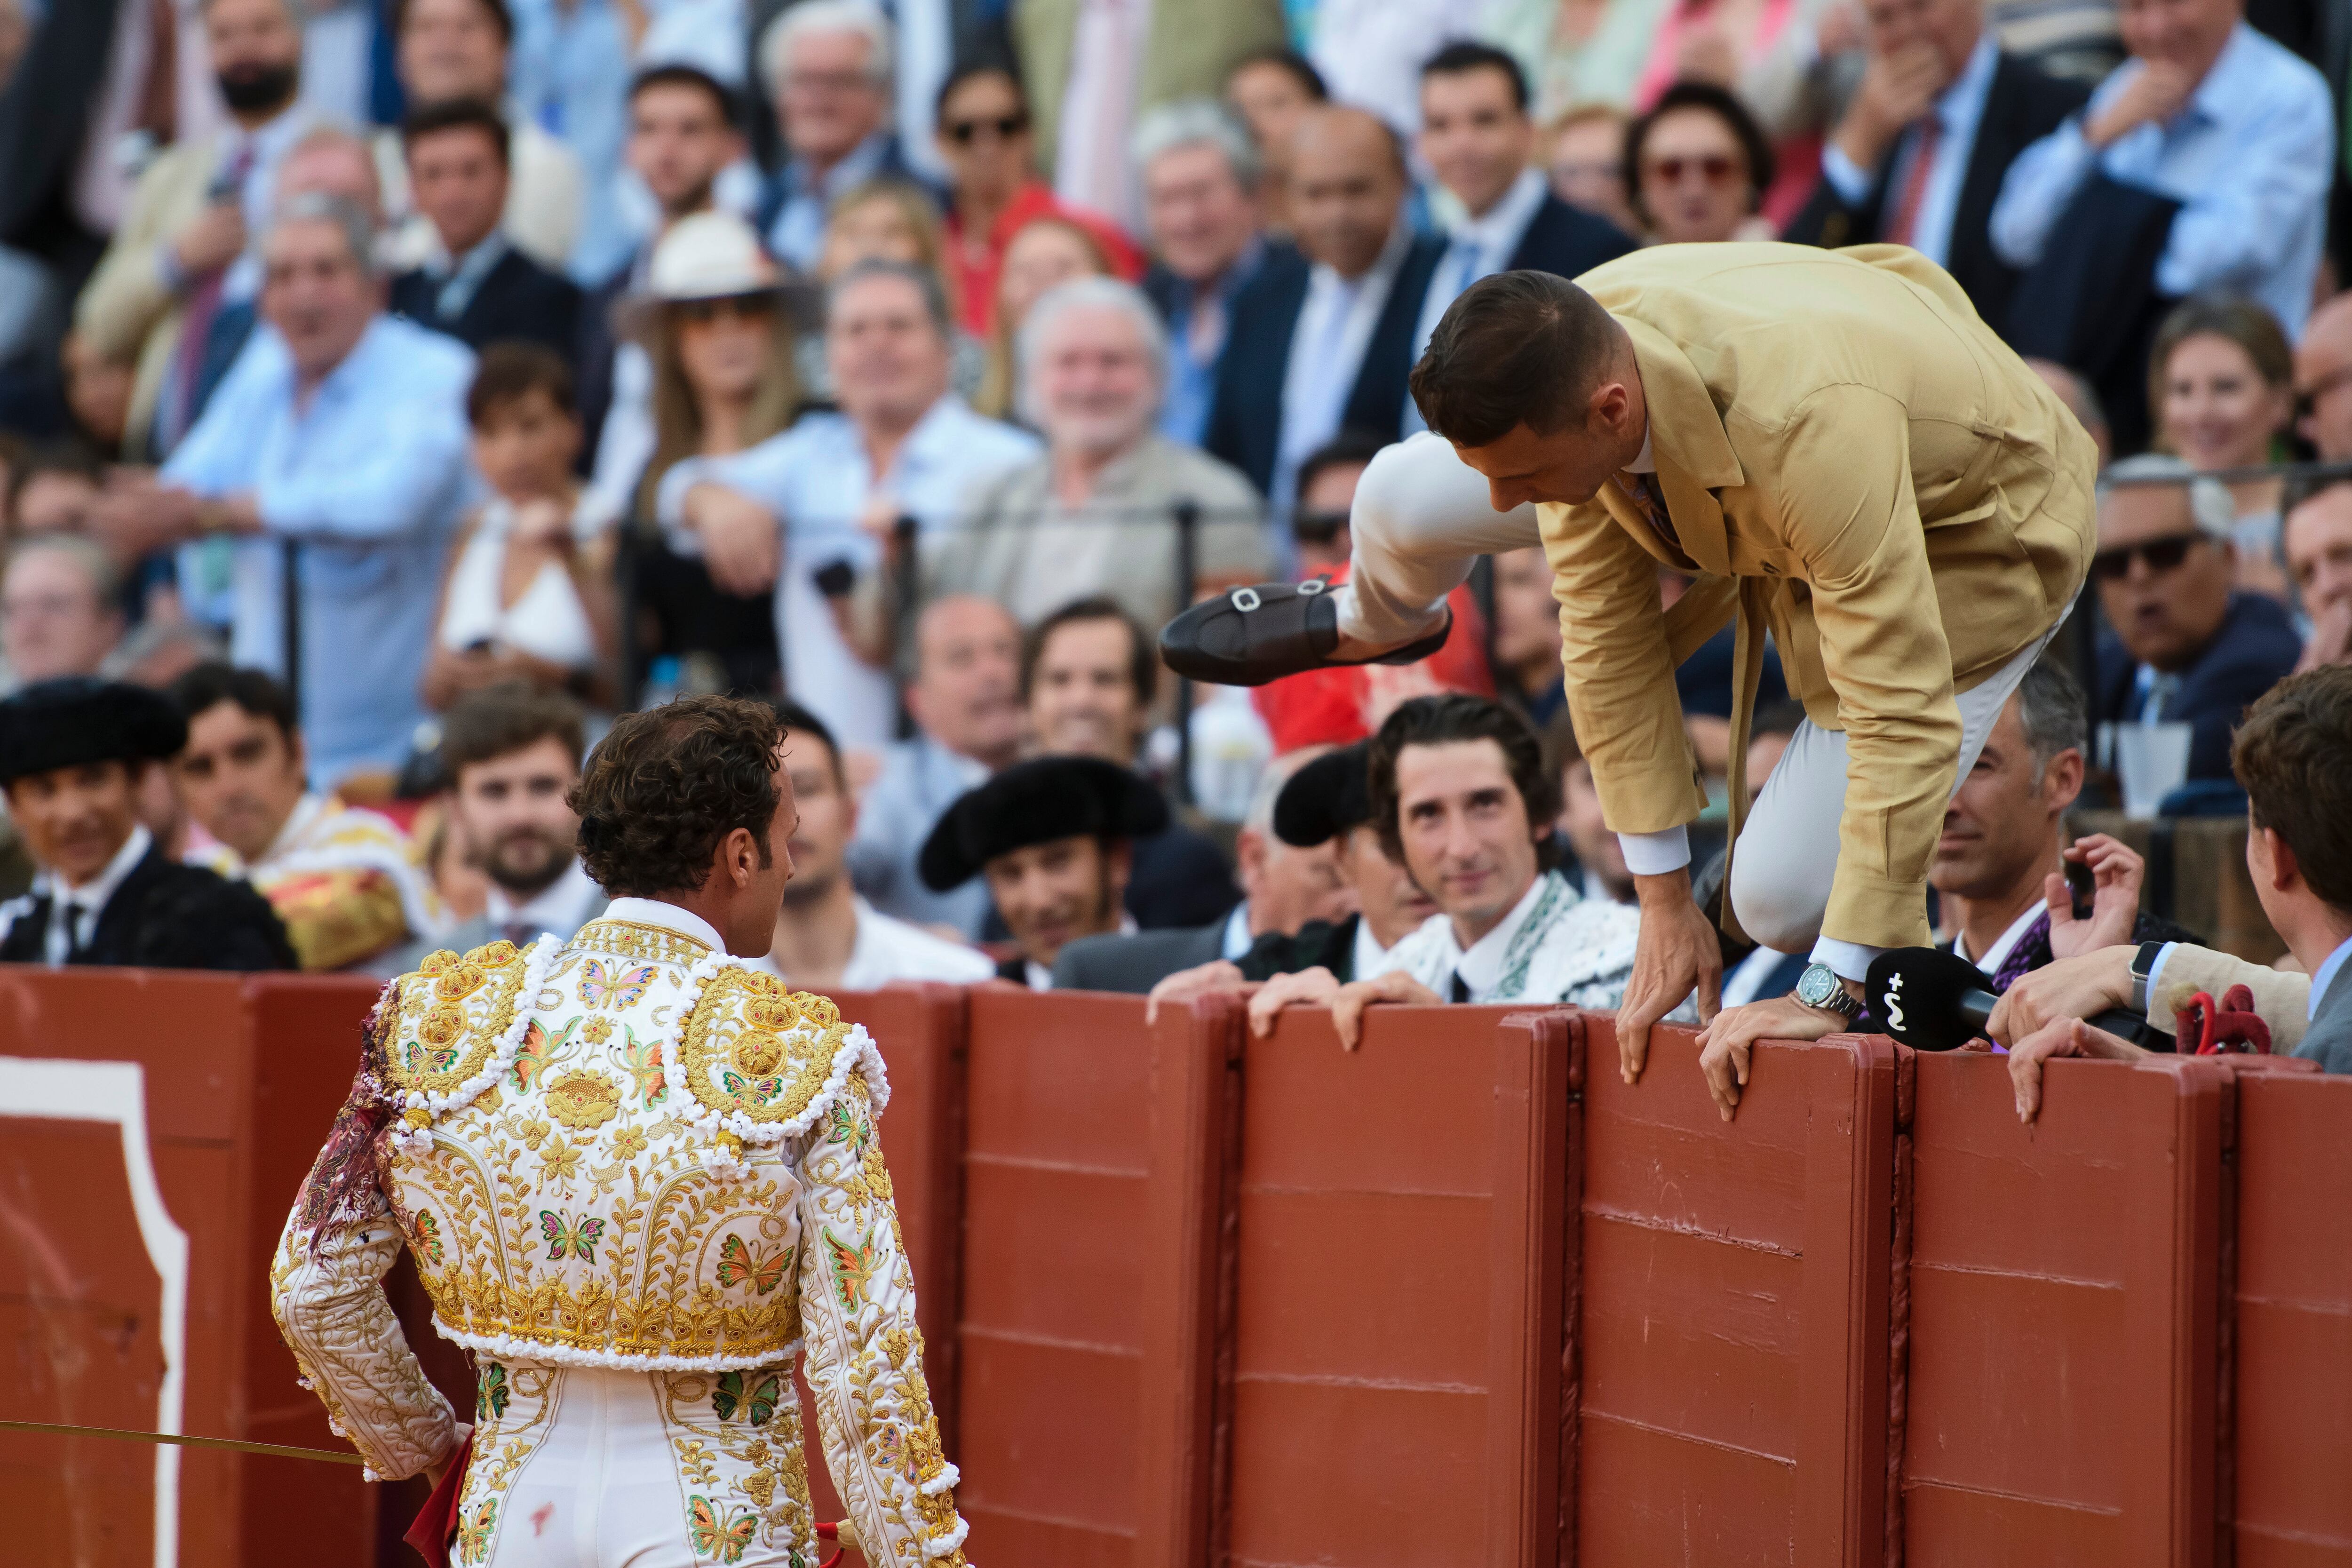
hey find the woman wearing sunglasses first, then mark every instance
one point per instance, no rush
(1697, 166)
(993, 192)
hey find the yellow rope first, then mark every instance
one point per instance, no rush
(277, 1450)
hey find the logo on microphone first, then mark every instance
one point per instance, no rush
(1891, 1004)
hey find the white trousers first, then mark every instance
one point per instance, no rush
(1422, 516)
(583, 1467)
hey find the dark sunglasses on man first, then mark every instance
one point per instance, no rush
(2161, 556)
(964, 132)
(1317, 527)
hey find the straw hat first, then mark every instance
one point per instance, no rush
(710, 256)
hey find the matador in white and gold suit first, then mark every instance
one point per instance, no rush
(638, 1180)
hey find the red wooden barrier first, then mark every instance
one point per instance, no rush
(2290, 1385)
(94, 1281)
(1733, 1325)
(2065, 1308)
(1400, 1222)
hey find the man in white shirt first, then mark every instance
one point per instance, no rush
(1477, 137)
(1459, 795)
(828, 939)
(1322, 338)
(1918, 155)
(449, 50)
(512, 755)
(815, 496)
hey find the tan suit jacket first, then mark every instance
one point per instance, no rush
(128, 310)
(1850, 455)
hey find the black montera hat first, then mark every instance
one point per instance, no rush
(78, 719)
(1037, 802)
(1325, 798)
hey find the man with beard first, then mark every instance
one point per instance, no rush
(827, 938)
(183, 250)
(513, 754)
(1054, 838)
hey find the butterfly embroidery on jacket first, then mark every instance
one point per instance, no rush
(428, 1237)
(724, 1535)
(738, 1262)
(752, 1394)
(490, 1399)
(474, 1533)
(563, 1236)
(644, 1060)
(852, 1268)
(615, 987)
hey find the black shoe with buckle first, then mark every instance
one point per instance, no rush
(1250, 636)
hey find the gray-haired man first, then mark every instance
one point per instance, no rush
(1200, 174)
(342, 428)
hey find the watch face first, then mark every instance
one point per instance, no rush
(1813, 985)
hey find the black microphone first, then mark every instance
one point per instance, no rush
(1929, 1000)
(1936, 1001)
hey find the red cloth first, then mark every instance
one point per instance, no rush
(975, 278)
(1337, 707)
(437, 1521)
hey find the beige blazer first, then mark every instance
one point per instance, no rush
(127, 310)
(1851, 458)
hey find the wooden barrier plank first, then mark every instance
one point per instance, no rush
(2063, 1288)
(1733, 1306)
(2292, 1333)
(1382, 1292)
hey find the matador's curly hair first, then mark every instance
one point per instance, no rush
(667, 783)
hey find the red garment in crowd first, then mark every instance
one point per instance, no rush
(975, 278)
(1337, 707)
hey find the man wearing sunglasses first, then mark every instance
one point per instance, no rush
(1841, 453)
(2183, 645)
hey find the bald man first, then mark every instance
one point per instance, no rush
(1322, 337)
(2322, 380)
(965, 700)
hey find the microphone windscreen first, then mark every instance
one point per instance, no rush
(1922, 998)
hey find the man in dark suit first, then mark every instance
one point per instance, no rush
(1918, 156)
(2185, 646)
(73, 755)
(1286, 888)
(1322, 338)
(481, 287)
(1476, 137)
(1200, 172)
(830, 67)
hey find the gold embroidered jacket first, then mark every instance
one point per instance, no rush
(626, 1151)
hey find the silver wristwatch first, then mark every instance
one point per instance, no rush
(1819, 986)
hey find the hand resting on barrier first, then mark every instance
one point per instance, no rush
(1726, 1041)
(2065, 988)
(2065, 1037)
(1201, 980)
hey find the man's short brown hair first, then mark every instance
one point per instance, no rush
(500, 720)
(1518, 348)
(2293, 757)
(1442, 721)
(667, 785)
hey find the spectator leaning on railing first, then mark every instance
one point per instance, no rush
(2293, 757)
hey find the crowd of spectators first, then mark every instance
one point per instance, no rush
(405, 387)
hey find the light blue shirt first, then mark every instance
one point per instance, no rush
(371, 476)
(1957, 112)
(2250, 158)
(2326, 975)
(796, 235)
(816, 479)
(571, 77)
(1193, 382)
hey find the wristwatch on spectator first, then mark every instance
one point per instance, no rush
(2143, 964)
(1819, 986)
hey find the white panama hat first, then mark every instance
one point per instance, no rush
(710, 256)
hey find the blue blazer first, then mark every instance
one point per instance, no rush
(2256, 646)
(1245, 420)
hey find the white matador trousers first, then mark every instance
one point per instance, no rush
(1421, 517)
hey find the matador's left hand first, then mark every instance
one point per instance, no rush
(1724, 1044)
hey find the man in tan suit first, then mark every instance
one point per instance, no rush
(1845, 455)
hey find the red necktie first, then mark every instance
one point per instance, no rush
(1915, 184)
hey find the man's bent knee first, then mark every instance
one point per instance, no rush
(1776, 903)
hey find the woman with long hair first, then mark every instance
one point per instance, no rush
(2220, 382)
(715, 325)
